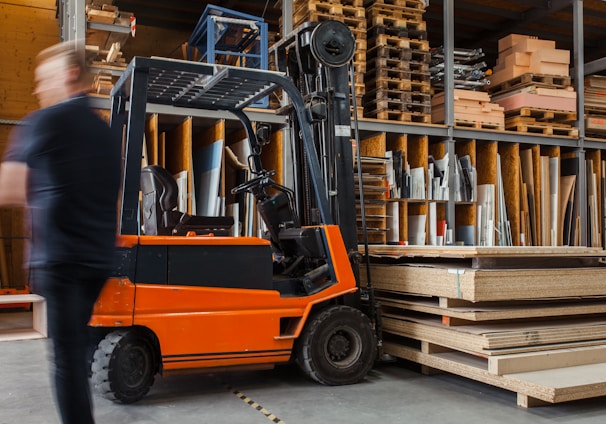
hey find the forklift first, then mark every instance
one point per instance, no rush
(185, 294)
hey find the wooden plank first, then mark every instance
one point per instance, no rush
(544, 360)
(39, 326)
(179, 154)
(151, 139)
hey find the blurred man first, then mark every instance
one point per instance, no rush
(64, 165)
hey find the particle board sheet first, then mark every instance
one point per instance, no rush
(552, 386)
(492, 311)
(480, 251)
(478, 285)
(486, 339)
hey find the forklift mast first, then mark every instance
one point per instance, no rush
(315, 58)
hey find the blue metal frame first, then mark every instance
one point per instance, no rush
(211, 37)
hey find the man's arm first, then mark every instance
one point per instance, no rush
(13, 183)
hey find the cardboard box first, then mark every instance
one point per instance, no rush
(549, 68)
(550, 55)
(510, 40)
(533, 44)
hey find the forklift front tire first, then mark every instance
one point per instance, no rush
(338, 346)
(124, 366)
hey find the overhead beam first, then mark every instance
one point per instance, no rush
(595, 66)
(532, 15)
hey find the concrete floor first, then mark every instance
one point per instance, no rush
(392, 393)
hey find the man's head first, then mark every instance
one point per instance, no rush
(60, 73)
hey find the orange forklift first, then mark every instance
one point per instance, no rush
(185, 295)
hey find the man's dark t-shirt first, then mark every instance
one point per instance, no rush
(74, 176)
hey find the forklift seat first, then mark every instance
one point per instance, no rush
(160, 214)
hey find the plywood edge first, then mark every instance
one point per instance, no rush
(531, 392)
(550, 359)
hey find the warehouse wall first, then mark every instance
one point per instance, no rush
(27, 26)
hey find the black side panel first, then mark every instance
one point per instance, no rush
(221, 266)
(151, 265)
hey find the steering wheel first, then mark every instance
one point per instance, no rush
(258, 181)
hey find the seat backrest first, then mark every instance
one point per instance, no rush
(160, 196)
(160, 214)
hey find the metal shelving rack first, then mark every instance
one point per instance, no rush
(73, 26)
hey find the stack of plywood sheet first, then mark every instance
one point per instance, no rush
(397, 76)
(471, 109)
(595, 105)
(527, 319)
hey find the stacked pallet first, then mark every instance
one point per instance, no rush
(376, 192)
(351, 13)
(471, 109)
(531, 81)
(397, 72)
(530, 320)
(595, 105)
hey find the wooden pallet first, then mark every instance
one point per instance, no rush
(542, 115)
(410, 4)
(375, 75)
(398, 12)
(401, 32)
(519, 124)
(330, 9)
(397, 115)
(462, 123)
(355, 3)
(390, 41)
(356, 25)
(525, 80)
(533, 388)
(420, 108)
(404, 55)
(391, 84)
(420, 76)
(388, 23)
(387, 63)
(420, 56)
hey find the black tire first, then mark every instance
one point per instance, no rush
(124, 366)
(338, 346)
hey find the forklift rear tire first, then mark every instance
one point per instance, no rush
(338, 346)
(124, 366)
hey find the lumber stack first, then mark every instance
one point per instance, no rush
(531, 82)
(471, 109)
(595, 105)
(351, 13)
(397, 72)
(106, 65)
(527, 319)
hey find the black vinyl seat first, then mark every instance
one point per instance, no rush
(160, 214)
